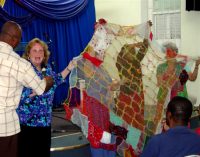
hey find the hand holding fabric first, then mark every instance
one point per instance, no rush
(197, 62)
(71, 65)
(149, 23)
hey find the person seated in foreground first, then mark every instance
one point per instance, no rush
(179, 140)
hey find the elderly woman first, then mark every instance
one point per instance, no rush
(168, 82)
(35, 111)
(171, 79)
(168, 74)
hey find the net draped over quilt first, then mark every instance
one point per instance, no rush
(114, 88)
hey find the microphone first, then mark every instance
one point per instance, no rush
(44, 72)
(47, 37)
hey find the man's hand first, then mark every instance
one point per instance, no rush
(49, 83)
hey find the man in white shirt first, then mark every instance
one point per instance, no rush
(15, 73)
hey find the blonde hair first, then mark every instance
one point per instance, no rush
(31, 44)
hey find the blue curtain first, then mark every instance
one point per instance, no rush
(5, 16)
(66, 38)
(55, 9)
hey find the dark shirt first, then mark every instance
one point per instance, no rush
(176, 142)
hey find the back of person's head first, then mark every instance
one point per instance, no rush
(180, 109)
(11, 33)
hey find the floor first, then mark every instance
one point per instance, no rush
(61, 126)
(67, 138)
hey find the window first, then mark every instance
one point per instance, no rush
(167, 19)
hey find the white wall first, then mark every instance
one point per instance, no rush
(190, 24)
(123, 12)
(190, 41)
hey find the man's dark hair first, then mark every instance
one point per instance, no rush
(181, 109)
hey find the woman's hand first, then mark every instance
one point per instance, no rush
(69, 68)
(197, 62)
(71, 65)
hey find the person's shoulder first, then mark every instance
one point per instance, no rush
(152, 146)
(197, 136)
(23, 62)
(156, 138)
(192, 135)
(18, 60)
(195, 140)
(162, 64)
